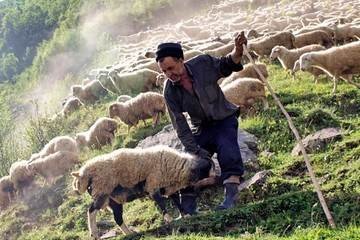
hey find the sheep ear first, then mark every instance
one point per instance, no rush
(75, 174)
(30, 168)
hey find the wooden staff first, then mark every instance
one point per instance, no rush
(298, 138)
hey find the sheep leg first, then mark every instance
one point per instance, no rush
(117, 210)
(95, 206)
(144, 122)
(160, 202)
(265, 103)
(335, 84)
(155, 119)
(348, 78)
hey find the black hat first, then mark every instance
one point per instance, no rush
(169, 50)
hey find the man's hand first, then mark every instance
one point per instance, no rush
(202, 153)
(237, 53)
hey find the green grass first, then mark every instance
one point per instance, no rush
(284, 207)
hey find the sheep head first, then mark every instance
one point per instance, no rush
(32, 169)
(76, 90)
(296, 66)
(111, 125)
(80, 183)
(80, 139)
(160, 79)
(115, 109)
(305, 61)
(275, 52)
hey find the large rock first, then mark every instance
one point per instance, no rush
(318, 140)
(247, 143)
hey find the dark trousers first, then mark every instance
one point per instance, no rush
(221, 137)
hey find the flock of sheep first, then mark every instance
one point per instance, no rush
(320, 37)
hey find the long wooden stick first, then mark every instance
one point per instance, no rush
(298, 138)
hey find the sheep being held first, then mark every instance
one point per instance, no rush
(160, 169)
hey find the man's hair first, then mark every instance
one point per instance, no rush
(169, 49)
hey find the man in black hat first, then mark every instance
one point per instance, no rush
(192, 87)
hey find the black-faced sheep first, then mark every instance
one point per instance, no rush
(157, 169)
(143, 106)
(102, 132)
(342, 61)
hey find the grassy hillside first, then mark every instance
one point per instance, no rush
(284, 207)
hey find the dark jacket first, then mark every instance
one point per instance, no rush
(207, 105)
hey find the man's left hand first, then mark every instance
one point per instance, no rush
(240, 39)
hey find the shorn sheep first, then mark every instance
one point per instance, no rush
(143, 106)
(53, 165)
(89, 93)
(316, 72)
(159, 169)
(20, 176)
(102, 132)
(343, 62)
(243, 92)
(263, 46)
(7, 192)
(314, 37)
(60, 143)
(248, 71)
(287, 57)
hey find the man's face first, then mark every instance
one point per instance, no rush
(173, 68)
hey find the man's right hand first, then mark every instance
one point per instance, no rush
(204, 154)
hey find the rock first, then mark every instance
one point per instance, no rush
(247, 143)
(318, 140)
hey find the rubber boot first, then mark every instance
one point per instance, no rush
(231, 194)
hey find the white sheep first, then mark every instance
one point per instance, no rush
(313, 37)
(89, 93)
(102, 132)
(326, 29)
(263, 46)
(60, 143)
(288, 57)
(70, 106)
(143, 106)
(248, 71)
(243, 92)
(7, 192)
(53, 166)
(342, 61)
(158, 169)
(221, 51)
(20, 176)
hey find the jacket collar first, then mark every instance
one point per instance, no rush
(188, 69)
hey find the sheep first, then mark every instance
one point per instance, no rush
(60, 143)
(141, 107)
(342, 61)
(89, 93)
(346, 32)
(288, 57)
(313, 37)
(124, 98)
(252, 34)
(158, 170)
(107, 82)
(7, 192)
(20, 176)
(160, 79)
(326, 29)
(263, 46)
(54, 165)
(248, 71)
(102, 132)
(316, 72)
(70, 106)
(220, 51)
(244, 91)
(140, 80)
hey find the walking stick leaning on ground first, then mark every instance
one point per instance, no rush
(298, 138)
